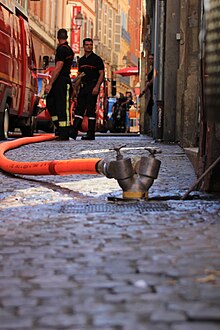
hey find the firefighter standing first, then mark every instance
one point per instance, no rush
(59, 88)
(93, 67)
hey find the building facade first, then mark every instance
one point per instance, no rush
(43, 19)
(177, 32)
(134, 30)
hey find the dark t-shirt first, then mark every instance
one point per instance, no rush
(149, 78)
(65, 54)
(90, 66)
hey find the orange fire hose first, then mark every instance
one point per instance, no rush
(54, 167)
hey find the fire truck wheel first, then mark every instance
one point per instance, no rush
(4, 123)
(29, 128)
(36, 109)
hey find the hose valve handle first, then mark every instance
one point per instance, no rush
(153, 151)
(118, 153)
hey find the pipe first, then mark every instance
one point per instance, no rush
(54, 167)
(156, 68)
(161, 39)
(55, 21)
(134, 179)
(158, 79)
(137, 185)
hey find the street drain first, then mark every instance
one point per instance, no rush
(141, 207)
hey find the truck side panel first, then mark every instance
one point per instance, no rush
(6, 64)
(10, 56)
(18, 83)
(30, 77)
(23, 66)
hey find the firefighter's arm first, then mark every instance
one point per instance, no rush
(78, 79)
(54, 76)
(76, 84)
(95, 90)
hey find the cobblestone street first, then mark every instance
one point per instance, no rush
(72, 259)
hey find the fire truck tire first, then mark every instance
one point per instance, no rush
(29, 128)
(36, 107)
(4, 123)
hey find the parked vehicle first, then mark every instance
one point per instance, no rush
(102, 108)
(18, 80)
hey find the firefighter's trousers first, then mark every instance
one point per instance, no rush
(58, 103)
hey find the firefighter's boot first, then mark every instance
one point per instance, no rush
(75, 128)
(63, 134)
(90, 135)
(56, 126)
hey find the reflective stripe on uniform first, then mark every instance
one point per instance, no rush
(63, 124)
(54, 118)
(68, 105)
(81, 117)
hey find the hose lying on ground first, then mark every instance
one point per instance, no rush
(51, 167)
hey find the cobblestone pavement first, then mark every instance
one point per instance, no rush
(71, 259)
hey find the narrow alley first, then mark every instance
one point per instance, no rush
(75, 256)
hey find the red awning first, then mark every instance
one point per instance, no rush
(130, 71)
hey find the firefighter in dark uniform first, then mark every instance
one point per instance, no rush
(59, 88)
(93, 67)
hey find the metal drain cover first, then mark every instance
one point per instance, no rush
(141, 207)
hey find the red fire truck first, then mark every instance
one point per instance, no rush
(102, 108)
(18, 80)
